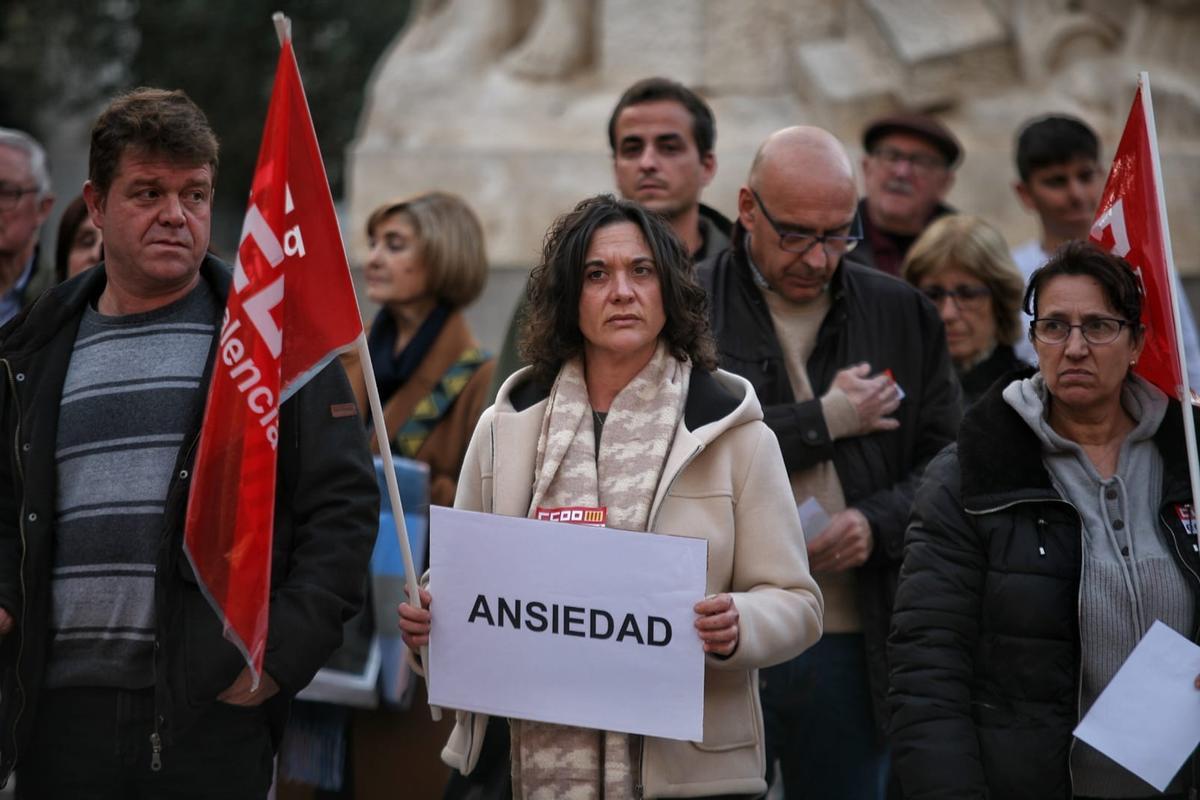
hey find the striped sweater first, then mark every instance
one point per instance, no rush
(133, 389)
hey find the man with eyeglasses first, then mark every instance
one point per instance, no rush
(25, 202)
(908, 169)
(854, 378)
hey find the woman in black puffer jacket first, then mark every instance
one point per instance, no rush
(1022, 588)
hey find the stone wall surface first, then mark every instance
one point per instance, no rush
(506, 102)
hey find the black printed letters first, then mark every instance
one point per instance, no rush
(590, 623)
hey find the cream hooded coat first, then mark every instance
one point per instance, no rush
(724, 479)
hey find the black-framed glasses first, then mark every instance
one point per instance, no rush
(920, 162)
(964, 296)
(1101, 330)
(801, 243)
(11, 195)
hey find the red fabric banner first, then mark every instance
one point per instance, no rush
(1128, 223)
(291, 309)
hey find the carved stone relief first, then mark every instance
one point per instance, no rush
(506, 102)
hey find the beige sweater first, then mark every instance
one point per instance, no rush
(797, 326)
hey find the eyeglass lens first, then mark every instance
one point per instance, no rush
(961, 295)
(919, 161)
(1094, 331)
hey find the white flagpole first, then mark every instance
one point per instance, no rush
(1189, 425)
(389, 475)
(283, 28)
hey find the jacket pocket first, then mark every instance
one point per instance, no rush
(730, 760)
(731, 713)
(211, 663)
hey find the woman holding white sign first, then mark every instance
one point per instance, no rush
(1041, 550)
(623, 412)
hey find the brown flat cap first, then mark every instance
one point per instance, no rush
(921, 125)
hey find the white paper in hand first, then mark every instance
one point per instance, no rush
(813, 518)
(1148, 717)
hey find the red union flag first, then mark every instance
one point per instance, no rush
(1129, 224)
(290, 311)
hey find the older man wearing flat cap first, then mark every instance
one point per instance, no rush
(908, 168)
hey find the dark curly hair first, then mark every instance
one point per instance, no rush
(550, 333)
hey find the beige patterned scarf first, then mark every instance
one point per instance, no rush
(561, 762)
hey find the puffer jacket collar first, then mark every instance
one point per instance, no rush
(1001, 458)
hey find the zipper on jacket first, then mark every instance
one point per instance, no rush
(1079, 672)
(1078, 596)
(670, 484)
(979, 512)
(639, 788)
(20, 470)
(156, 743)
(155, 748)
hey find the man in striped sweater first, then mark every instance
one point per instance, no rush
(115, 676)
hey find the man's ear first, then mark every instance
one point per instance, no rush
(44, 206)
(1023, 195)
(746, 207)
(709, 162)
(94, 200)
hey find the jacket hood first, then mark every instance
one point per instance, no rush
(714, 232)
(1143, 401)
(716, 401)
(1000, 455)
(719, 221)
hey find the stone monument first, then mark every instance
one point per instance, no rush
(506, 102)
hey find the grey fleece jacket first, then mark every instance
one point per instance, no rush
(1128, 577)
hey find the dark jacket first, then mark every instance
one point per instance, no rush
(326, 514)
(873, 318)
(886, 251)
(41, 279)
(715, 230)
(985, 647)
(980, 377)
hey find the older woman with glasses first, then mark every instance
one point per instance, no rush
(962, 265)
(1041, 548)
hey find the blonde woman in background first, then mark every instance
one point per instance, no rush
(427, 263)
(962, 265)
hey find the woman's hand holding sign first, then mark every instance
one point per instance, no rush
(415, 622)
(717, 624)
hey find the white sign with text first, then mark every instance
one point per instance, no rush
(565, 623)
